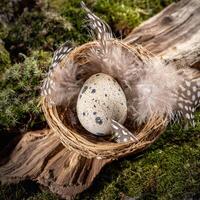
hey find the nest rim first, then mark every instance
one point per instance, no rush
(73, 140)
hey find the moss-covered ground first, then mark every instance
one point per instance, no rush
(30, 30)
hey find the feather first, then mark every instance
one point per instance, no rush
(60, 85)
(100, 29)
(122, 134)
(150, 87)
(189, 95)
(60, 53)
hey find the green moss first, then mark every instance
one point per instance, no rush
(3, 30)
(19, 91)
(170, 169)
(25, 190)
(37, 30)
(12, 192)
(47, 25)
(4, 58)
(45, 195)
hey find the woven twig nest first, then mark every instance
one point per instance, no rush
(62, 119)
(156, 93)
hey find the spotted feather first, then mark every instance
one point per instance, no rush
(188, 99)
(100, 29)
(122, 134)
(49, 82)
(60, 53)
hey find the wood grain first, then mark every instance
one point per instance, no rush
(173, 34)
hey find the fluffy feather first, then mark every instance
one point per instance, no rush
(61, 84)
(64, 85)
(150, 87)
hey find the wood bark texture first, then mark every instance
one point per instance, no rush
(40, 156)
(173, 34)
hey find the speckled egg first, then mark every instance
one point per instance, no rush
(100, 100)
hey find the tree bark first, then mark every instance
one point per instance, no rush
(173, 34)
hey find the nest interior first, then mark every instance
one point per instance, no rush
(64, 122)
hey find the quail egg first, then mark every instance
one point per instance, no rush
(101, 100)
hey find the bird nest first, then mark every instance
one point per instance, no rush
(63, 119)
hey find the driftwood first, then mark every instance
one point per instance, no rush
(173, 34)
(40, 156)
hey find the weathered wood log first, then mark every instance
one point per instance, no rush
(173, 34)
(40, 156)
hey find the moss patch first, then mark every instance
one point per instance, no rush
(19, 91)
(4, 58)
(36, 30)
(25, 190)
